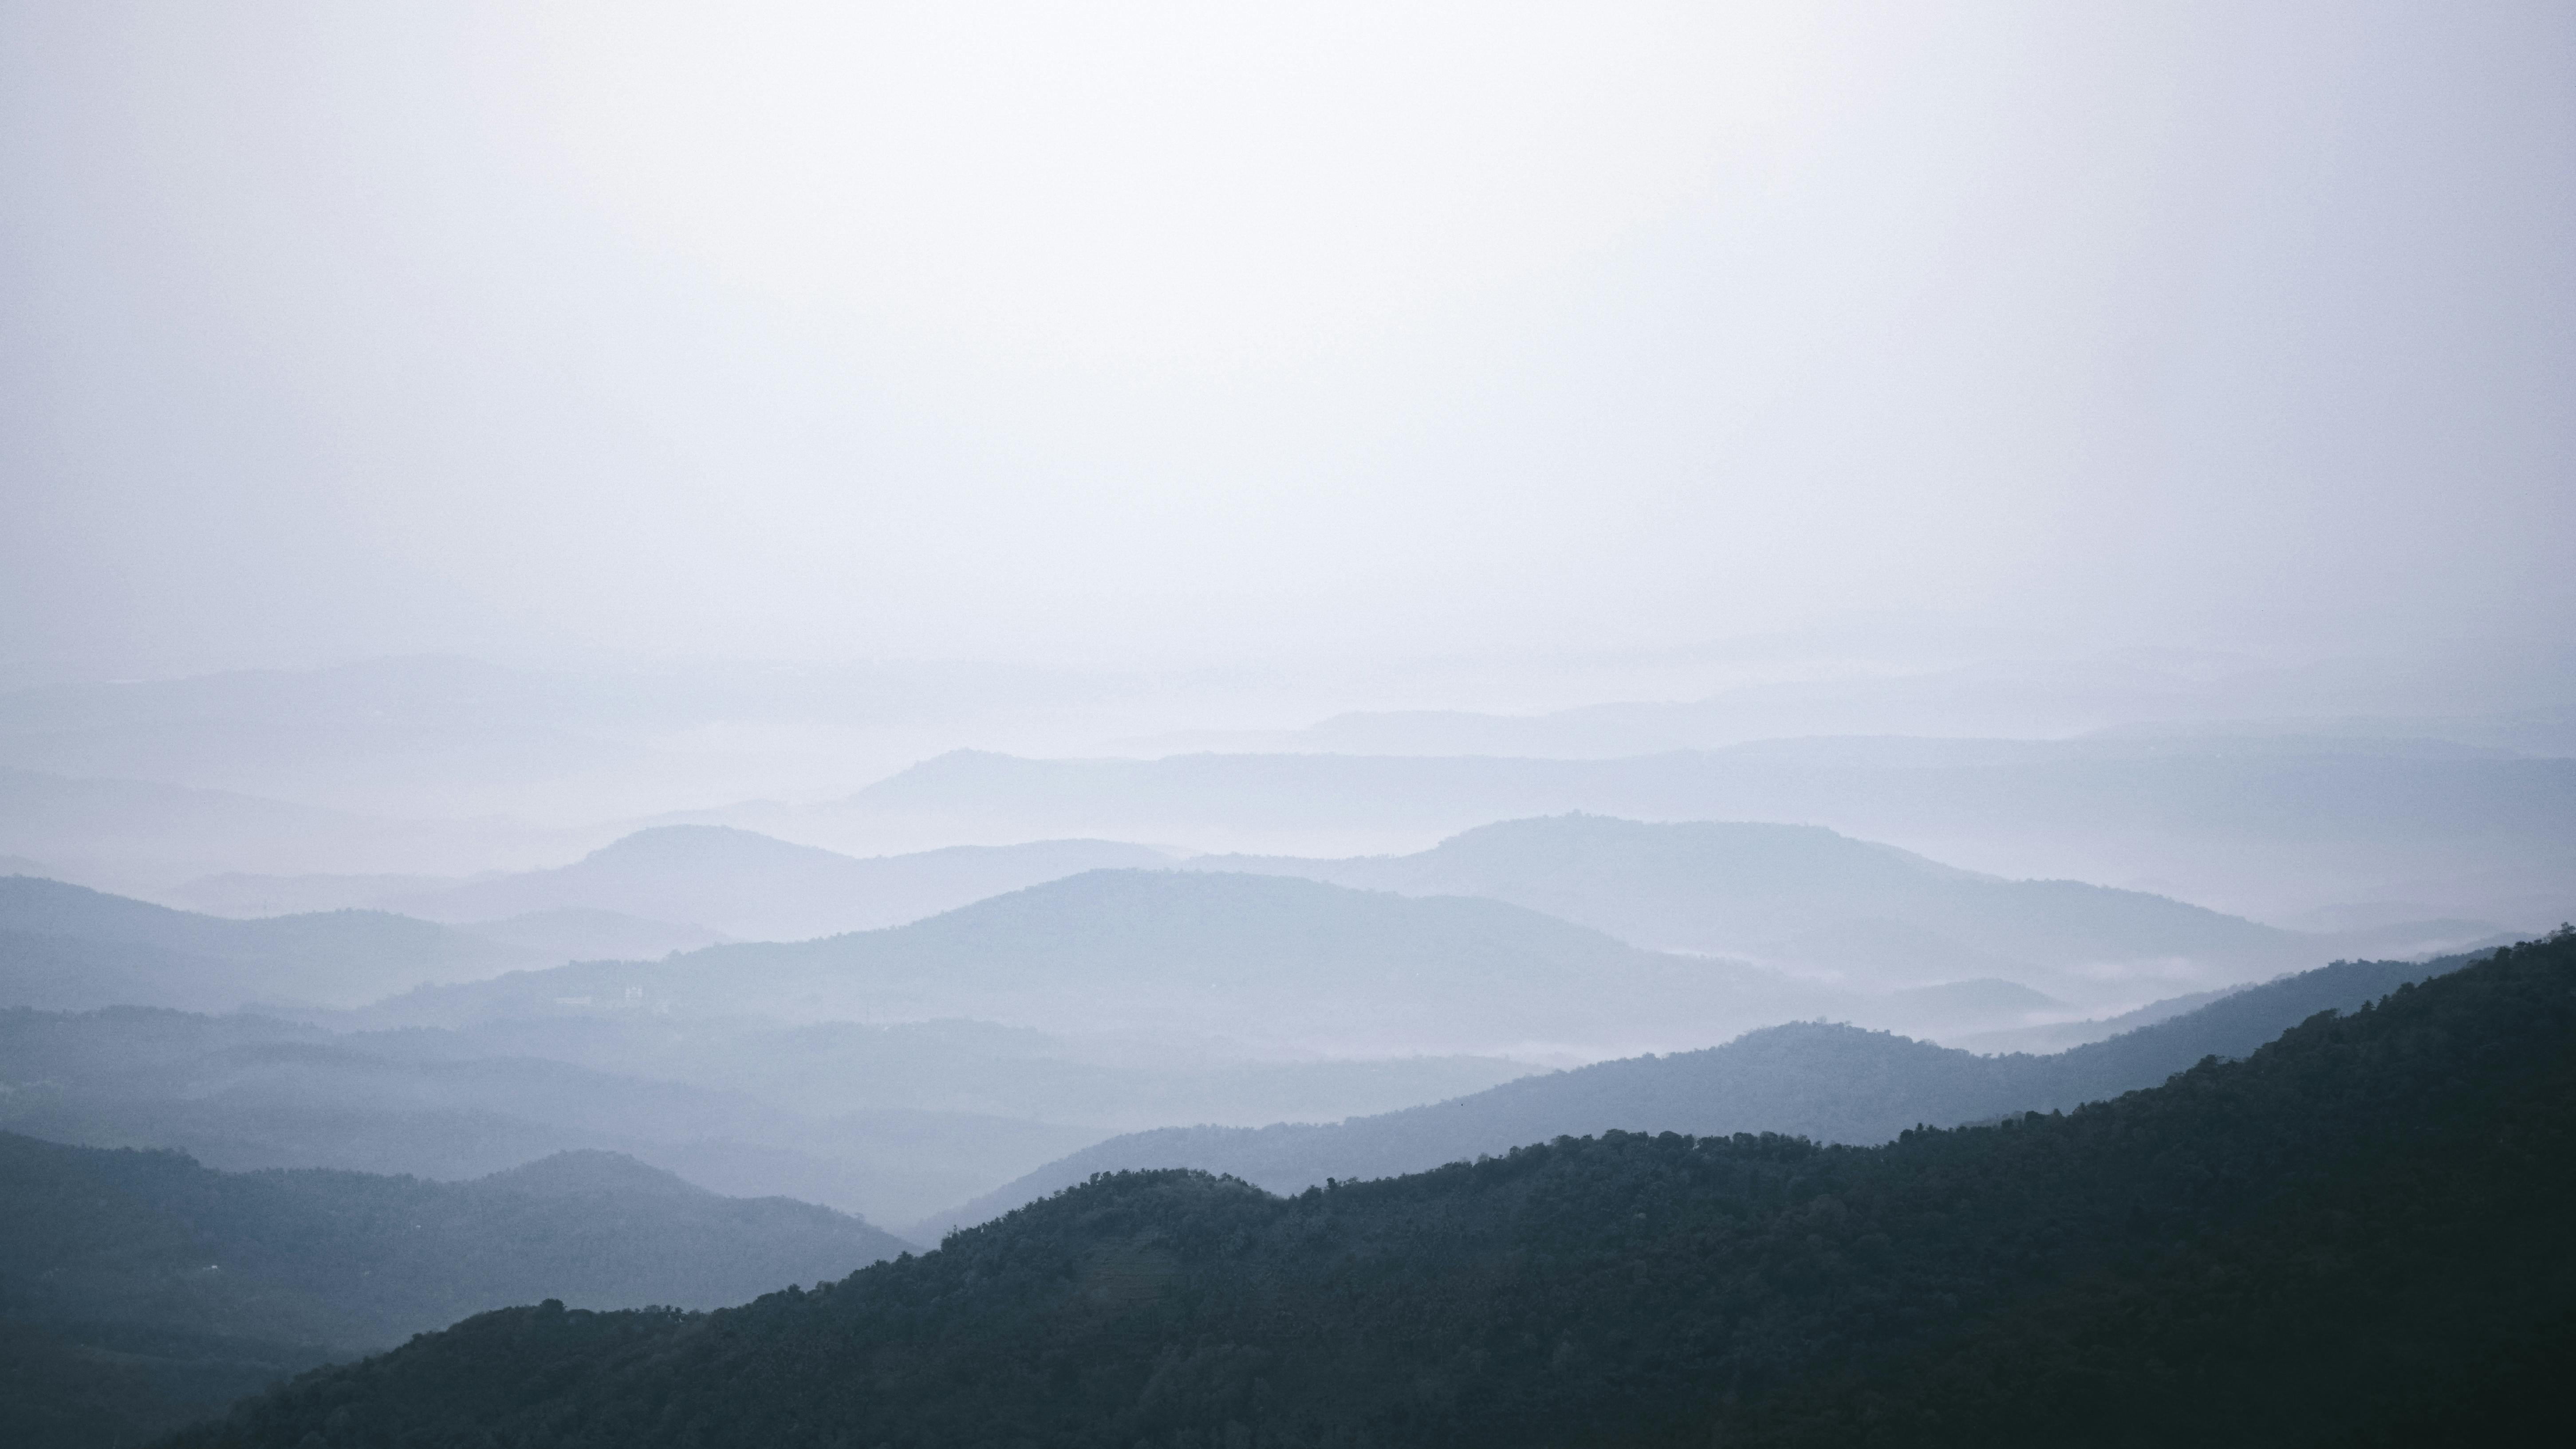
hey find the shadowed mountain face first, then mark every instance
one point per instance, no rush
(65, 947)
(1807, 898)
(1263, 959)
(2341, 1231)
(752, 887)
(149, 1290)
(1809, 1079)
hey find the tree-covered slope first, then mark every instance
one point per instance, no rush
(1830, 1083)
(2315, 1242)
(151, 1286)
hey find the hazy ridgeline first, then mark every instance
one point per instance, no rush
(2354, 1233)
(1439, 724)
(421, 1068)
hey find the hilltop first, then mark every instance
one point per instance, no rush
(1258, 958)
(1827, 1083)
(138, 1289)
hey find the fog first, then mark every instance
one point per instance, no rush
(1145, 337)
(910, 611)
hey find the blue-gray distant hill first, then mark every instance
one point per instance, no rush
(1806, 897)
(889, 1121)
(138, 1289)
(2263, 820)
(753, 887)
(1828, 1083)
(65, 947)
(1249, 957)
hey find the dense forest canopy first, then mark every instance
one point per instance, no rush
(2340, 1231)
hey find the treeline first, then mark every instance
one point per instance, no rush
(2348, 1232)
(1807, 1079)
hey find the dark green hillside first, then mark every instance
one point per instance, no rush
(1806, 1079)
(2341, 1231)
(65, 947)
(1258, 957)
(137, 1288)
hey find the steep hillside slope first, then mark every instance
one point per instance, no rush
(1828, 1083)
(2349, 1226)
(1250, 957)
(63, 947)
(150, 1288)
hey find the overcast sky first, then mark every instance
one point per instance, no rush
(1230, 332)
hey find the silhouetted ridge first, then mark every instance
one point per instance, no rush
(2329, 1236)
(138, 1289)
(1832, 1083)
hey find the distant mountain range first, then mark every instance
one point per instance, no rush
(889, 1121)
(139, 1289)
(2354, 1236)
(1264, 959)
(2126, 692)
(2264, 826)
(752, 887)
(1828, 1083)
(246, 1092)
(1804, 898)
(679, 887)
(64, 947)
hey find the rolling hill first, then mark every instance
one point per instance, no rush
(2355, 1229)
(752, 887)
(892, 1122)
(1803, 897)
(1827, 1083)
(64, 947)
(1265, 959)
(2262, 827)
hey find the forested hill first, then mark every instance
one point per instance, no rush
(138, 1288)
(1807, 1079)
(2346, 1229)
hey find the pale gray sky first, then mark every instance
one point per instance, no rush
(1140, 333)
